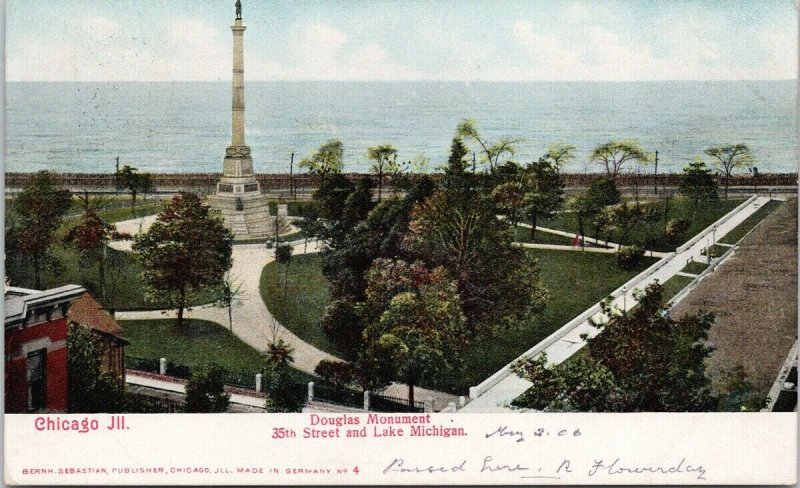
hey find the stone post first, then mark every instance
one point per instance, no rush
(310, 391)
(258, 382)
(162, 366)
(429, 405)
(461, 402)
(473, 392)
(451, 407)
(366, 401)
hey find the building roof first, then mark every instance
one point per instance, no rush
(87, 312)
(17, 301)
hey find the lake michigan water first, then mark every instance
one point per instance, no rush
(185, 127)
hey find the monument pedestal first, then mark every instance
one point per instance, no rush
(238, 197)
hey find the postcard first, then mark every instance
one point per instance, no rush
(400, 242)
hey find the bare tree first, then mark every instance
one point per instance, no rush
(492, 152)
(614, 154)
(729, 157)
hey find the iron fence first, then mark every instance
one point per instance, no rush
(141, 403)
(385, 403)
(142, 364)
(241, 379)
(338, 396)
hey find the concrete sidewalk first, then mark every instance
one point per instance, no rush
(497, 397)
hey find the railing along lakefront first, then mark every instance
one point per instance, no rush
(165, 182)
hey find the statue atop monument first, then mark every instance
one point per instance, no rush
(238, 10)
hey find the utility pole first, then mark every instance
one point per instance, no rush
(291, 176)
(473, 162)
(655, 180)
(116, 177)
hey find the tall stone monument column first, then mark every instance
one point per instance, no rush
(238, 194)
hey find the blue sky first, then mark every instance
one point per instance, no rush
(504, 40)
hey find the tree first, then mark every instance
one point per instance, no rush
(205, 390)
(559, 154)
(421, 329)
(729, 157)
(128, 178)
(39, 209)
(345, 264)
(453, 229)
(643, 361)
(697, 183)
(737, 393)
(229, 293)
(626, 218)
(309, 223)
(90, 238)
(381, 155)
(544, 191)
(585, 208)
(338, 373)
(187, 249)
(280, 352)
(88, 389)
(509, 199)
(603, 192)
(455, 171)
(283, 255)
(614, 154)
(285, 390)
(577, 385)
(328, 159)
(491, 151)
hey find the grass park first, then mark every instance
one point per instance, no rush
(574, 281)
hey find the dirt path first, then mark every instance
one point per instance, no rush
(754, 297)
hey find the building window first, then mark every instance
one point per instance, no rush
(37, 379)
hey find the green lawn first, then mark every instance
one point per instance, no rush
(115, 209)
(124, 285)
(522, 234)
(575, 280)
(736, 234)
(674, 285)
(701, 217)
(307, 298)
(196, 343)
(695, 267)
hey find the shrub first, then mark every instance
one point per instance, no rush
(338, 373)
(676, 229)
(628, 257)
(285, 392)
(205, 391)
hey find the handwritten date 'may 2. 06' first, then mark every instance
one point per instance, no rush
(519, 436)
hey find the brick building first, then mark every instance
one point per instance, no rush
(36, 326)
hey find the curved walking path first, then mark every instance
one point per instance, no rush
(498, 391)
(612, 245)
(252, 321)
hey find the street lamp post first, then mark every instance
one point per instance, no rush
(624, 298)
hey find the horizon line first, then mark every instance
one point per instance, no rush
(447, 80)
